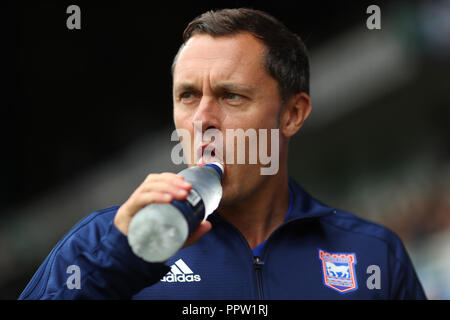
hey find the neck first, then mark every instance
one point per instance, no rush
(257, 216)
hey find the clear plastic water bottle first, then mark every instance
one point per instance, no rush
(159, 230)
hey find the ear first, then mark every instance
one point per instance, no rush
(294, 113)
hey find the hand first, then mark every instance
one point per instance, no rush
(157, 188)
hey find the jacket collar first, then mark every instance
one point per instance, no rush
(302, 205)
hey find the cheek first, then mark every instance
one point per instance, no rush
(233, 188)
(182, 120)
(264, 116)
(271, 119)
(178, 118)
(186, 135)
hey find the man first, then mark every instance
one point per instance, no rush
(268, 239)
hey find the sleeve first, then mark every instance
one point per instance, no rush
(93, 261)
(405, 284)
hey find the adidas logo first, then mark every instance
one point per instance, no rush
(180, 272)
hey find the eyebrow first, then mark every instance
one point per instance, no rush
(222, 87)
(232, 87)
(184, 86)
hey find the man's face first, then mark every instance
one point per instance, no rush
(222, 83)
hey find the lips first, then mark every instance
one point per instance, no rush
(210, 148)
(208, 153)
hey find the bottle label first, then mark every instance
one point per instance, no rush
(193, 197)
(192, 208)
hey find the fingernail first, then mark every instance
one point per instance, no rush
(167, 196)
(183, 184)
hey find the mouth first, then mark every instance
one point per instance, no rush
(208, 153)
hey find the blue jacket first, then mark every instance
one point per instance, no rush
(317, 253)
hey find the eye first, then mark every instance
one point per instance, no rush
(187, 97)
(233, 98)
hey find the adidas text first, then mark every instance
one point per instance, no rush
(180, 272)
(181, 278)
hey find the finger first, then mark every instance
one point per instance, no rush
(165, 176)
(145, 198)
(178, 190)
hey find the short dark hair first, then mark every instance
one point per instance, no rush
(286, 57)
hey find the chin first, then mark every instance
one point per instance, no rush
(226, 200)
(232, 195)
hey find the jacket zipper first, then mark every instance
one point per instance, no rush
(258, 264)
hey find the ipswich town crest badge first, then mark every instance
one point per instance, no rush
(339, 271)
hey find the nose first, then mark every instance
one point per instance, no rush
(207, 113)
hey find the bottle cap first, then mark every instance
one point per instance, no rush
(218, 167)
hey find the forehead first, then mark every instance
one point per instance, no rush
(235, 57)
